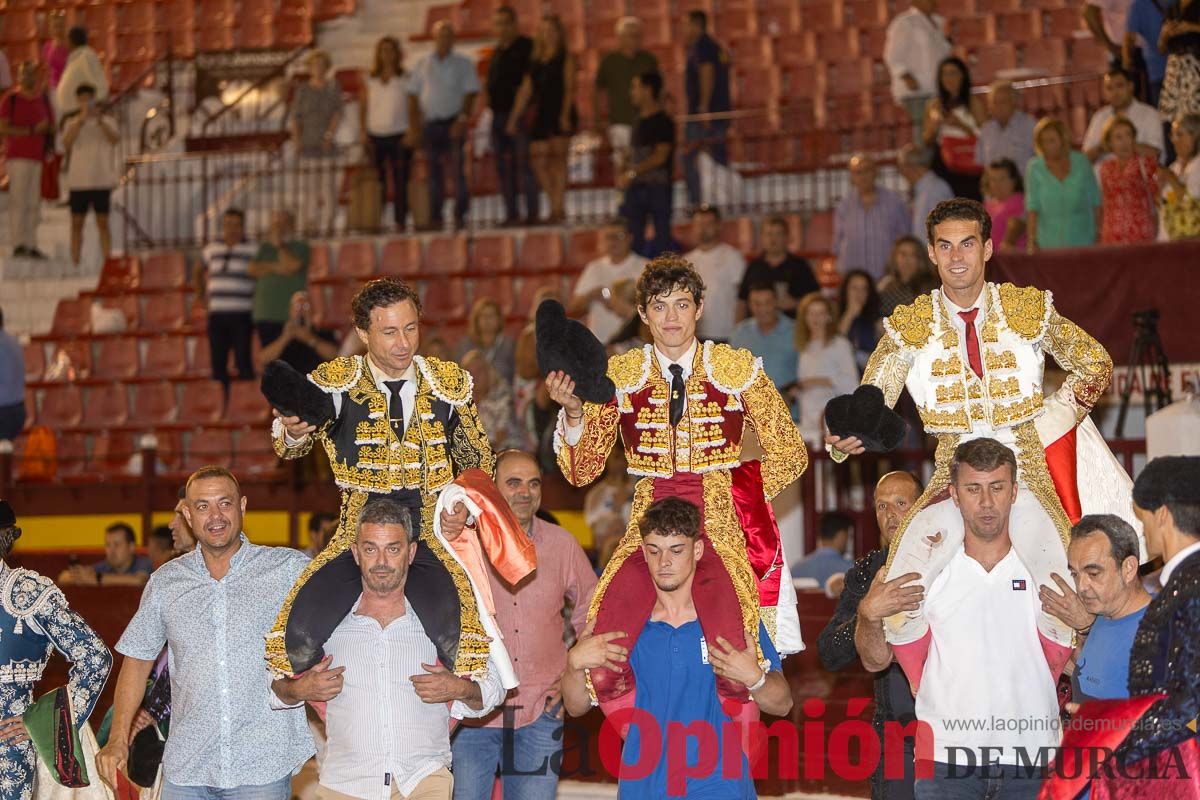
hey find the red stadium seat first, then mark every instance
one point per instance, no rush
(255, 33)
(208, 446)
(214, 13)
(444, 300)
(738, 232)
(778, 20)
(214, 39)
(355, 260)
(531, 286)
(446, 254)
(821, 14)
(35, 361)
(72, 317)
(136, 17)
(499, 288)
(866, 13)
(154, 403)
(178, 15)
(166, 358)
(990, 59)
(163, 271)
(119, 274)
(1048, 56)
(750, 53)
(583, 246)
(972, 31)
(318, 261)
(254, 454)
(542, 251)
(329, 9)
(112, 455)
(494, 253)
(78, 357)
(165, 313)
(199, 364)
(401, 256)
(247, 406)
(337, 310)
(296, 8)
(818, 234)
(106, 406)
(200, 402)
(168, 454)
(61, 407)
(846, 78)
(98, 19)
(835, 45)
(70, 450)
(1019, 26)
(1088, 55)
(293, 31)
(116, 358)
(1062, 23)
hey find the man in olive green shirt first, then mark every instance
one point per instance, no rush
(613, 78)
(281, 267)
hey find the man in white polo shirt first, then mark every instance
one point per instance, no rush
(987, 693)
(1118, 91)
(594, 293)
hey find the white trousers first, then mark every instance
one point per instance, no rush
(24, 200)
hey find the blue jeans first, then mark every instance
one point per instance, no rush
(440, 145)
(706, 137)
(535, 748)
(514, 169)
(979, 782)
(651, 200)
(278, 790)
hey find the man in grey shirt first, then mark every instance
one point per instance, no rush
(212, 607)
(441, 94)
(316, 115)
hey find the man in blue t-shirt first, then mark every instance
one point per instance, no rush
(706, 81)
(676, 700)
(1105, 607)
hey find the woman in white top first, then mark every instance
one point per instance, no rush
(1179, 215)
(385, 124)
(952, 122)
(826, 367)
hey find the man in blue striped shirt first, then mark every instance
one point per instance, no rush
(224, 280)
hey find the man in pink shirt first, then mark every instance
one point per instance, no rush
(523, 737)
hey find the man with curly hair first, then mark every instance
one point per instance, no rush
(405, 427)
(681, 408)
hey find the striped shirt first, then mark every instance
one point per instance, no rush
(380, 734)
(230, 287)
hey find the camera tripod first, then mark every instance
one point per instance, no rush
(1148, 363)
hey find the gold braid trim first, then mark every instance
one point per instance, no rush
(630, 370)
(888, 369)
(352, 506)
(943, 457)
(730, 369)
(282, 449)
(447, 380)
(473, 641)
(584, 462)
(785, 457)
(1035, 474)
(643, 496)
(339, 374)
(912, 323)
(1025, 310)
(469, 446)
(1089, 364)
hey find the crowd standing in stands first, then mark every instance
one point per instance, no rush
(485, 334)
(1128, 191)
(790, 275)
(316, 113)
(594, 297)
(829, 559)
(706, 82)
(826, 366)
(1004, 199)
(26, 120)
(386, 131)
(57, 48)
(721, 266)
(280, 270)
(646, 176)
(1062, 197)
(909, 275)
(89, 138)
(951, 128)
(868, 220)
(506, 73)
(1119, 94)
(83, 67)
(858, 315)
(1008, 131)
(915, 45)
(770, 334)
(615, 111)
(1179, 208)
(301, 343)
(224, 281)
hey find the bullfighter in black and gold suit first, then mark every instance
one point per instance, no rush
(404, 426)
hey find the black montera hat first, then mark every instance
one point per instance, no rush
(865, 415)
(293, 395)
(567, 345)
(8, 519)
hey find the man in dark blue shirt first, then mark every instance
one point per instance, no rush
(676, 672)
(707, 85)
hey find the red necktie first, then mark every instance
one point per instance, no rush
(972, 341)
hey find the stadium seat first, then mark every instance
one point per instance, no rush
(247, 406)
(254, 454)
(445, 299)
(72, 317)
(330, 9)
(750, 53)
(972, 31)
(834, 45)
(35, 361)
(355, 259)
(318, 261)
(778, 20)
(31, 408)
(208, 446)
(119, 274)
(493, 253)
(107, 406)
(446, 254)
(541, 251)
(61, 406)
(168, 454)
(293, 31)
(499, 288)
(818, 234)
(337, 308)
(200, 402)
(70, 450)
(1019, 26)
(821, 15)
(116, 359)
(738, 232)
(583, 246)
(166, 270)
(78, 357)
(1048, 56)
(867, 14)
(846, 78)
(1088, 55)
(296, 8)
(401, 256)
(178, 15)
(165, 313)
(112, 455)
(214, 39)
(1062, 23)
(154, 404)
(99, 20)
(988, 60)
(216, 13)
(255, 33)
(530, 286)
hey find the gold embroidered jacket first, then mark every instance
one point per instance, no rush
(726, 388)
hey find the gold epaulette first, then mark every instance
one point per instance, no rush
(448, 381)
(912, 324)
(630, 370)
(337, 375)
(731, 369)
(1026, 310)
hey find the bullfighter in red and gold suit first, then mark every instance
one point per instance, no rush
(681, 408)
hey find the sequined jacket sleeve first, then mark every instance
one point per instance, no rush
(89, 656)
(835, 645)
(583, 462)
(469, 446)
(1088, 364)
(1165, 724)
(785, 457)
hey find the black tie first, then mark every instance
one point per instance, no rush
(395, 407)
(677, 394)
